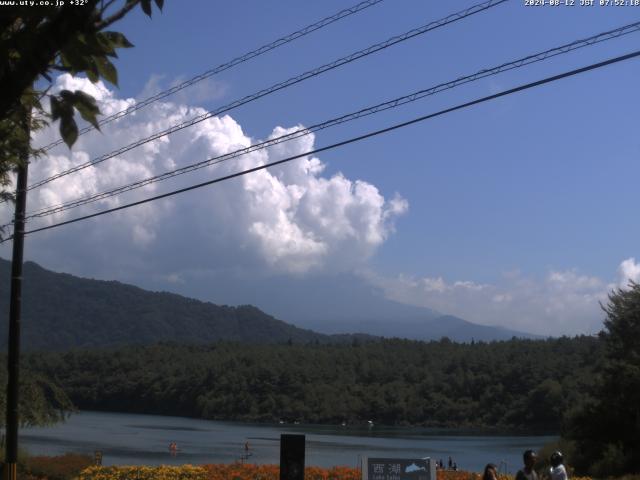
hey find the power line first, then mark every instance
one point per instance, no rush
(351, 140)
(528, 60)
(230, 64)
(279, 86)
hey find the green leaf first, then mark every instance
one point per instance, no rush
(85, 99)
(62, 106)
(99, 45)
(68, 130)
(67, 96)
(92, 71)
(160, 4)
(72, 58)
(88, 116)
(146, 6)
(108, 48)
(107, 69)
(117, 39)
(64, 61)
(56, 108)
(86, 106)
(93, 76)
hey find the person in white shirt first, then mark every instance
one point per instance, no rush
(557, 470)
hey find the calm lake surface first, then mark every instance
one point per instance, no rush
(130, 439)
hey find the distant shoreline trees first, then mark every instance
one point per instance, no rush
(524, 385)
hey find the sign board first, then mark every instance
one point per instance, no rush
(398, 469)
(292, 457)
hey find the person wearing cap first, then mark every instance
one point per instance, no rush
(557, 470)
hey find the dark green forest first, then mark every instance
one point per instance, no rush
(519, 384)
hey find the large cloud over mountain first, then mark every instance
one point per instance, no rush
(290, 218)
(563, 302)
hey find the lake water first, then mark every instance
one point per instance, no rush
(130, 439)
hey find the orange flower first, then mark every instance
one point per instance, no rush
(246, 471)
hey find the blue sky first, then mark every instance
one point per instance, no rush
(542, 179)
(507, 196)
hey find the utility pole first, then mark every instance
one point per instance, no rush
(13, 360)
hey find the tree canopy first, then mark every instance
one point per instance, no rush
(42, 400)
(35, 44)
(605, 426)
(526, 385)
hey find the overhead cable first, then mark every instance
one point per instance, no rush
(230, 64)
(503, 93)
(281, 85)
(521, 62)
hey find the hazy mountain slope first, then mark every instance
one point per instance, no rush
(62, 311)
(424, 328)
(347, 302)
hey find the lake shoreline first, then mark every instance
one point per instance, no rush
(134, 439)
(427, 428)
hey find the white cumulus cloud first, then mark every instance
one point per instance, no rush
(289, 218)
(629, 270)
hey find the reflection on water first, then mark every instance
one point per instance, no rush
(144, 439)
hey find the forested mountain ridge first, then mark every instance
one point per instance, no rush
(61, 311)
(527, 385)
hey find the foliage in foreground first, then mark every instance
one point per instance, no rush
(39, 41)
(41, 402)
(604, 429)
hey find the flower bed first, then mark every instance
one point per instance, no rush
(213, 472)
(164, 472)
(272, 472)
(237, 471)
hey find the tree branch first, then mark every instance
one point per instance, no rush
(116, 16)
